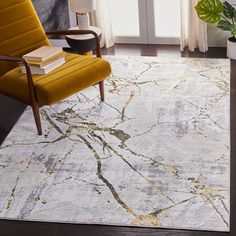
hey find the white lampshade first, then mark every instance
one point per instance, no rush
(82, 6)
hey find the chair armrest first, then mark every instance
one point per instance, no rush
(79, 32)
(28, 72)
(18, 59)
(11, 58)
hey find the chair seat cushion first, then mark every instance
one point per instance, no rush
(79, 72)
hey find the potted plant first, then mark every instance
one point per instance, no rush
(224, 16)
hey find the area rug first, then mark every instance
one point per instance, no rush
(156, 153)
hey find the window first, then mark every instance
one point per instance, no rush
(146, 21)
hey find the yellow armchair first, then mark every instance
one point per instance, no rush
(22, 32)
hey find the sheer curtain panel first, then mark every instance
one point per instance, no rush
(102, 19)
(193, 30)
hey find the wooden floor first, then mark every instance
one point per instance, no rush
(11, 110)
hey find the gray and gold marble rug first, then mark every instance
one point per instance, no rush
(156, 153)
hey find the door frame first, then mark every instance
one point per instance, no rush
(152, 38)
(143, 37)
(147, 28)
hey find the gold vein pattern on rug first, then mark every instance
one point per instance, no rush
(156, 153)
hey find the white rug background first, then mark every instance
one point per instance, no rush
(156, 153)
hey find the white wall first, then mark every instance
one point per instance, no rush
(217, 37)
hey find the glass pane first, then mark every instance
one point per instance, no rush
(167, 18)
(125, 17)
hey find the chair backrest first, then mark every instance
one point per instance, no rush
(20, 30)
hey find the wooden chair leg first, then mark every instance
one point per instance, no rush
(35, 108)
(101, 87)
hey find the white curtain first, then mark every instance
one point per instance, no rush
(102, 19)
(193, 30)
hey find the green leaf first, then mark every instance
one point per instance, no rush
(229, 10)
(225, 25)
(233, 31)
(209, 10)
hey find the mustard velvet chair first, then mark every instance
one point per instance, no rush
(22, 32)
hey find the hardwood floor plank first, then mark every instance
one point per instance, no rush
(118, 231)
(10, 112)
(15, 228)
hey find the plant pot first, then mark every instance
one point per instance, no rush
(231, 48)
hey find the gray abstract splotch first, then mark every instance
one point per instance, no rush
(54, 14)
